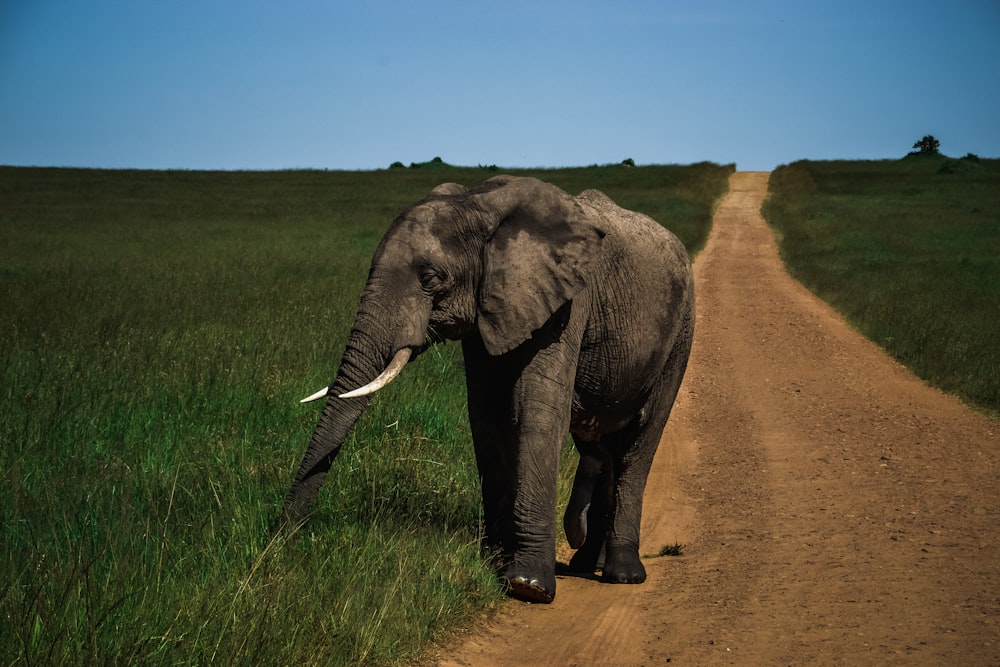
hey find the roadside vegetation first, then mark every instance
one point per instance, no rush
(157, 331)
(909, 252)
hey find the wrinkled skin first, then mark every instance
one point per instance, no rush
(575, 316)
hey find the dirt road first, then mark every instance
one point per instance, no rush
(834, 509)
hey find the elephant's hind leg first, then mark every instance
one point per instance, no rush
(588, 513)
(612, 544)
(632, 461)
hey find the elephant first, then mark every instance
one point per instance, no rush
(575, 316)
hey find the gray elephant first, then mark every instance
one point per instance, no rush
(575, 316)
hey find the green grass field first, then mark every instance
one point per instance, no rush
(156, 332)
(909, 251)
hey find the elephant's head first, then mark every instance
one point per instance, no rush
(496, 262)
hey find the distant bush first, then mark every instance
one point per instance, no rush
(435, 163)
(968, 163)
(628, 162)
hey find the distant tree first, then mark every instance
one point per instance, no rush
(927, 146)
(628, 162)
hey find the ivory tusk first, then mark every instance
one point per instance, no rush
(319, 394)
(387, 376)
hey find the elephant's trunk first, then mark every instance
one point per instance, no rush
(383, 329)
(335, 423)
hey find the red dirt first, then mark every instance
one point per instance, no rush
(833, 508)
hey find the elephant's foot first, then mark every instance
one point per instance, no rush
(623, 566)
(530, 587)
(587, 560)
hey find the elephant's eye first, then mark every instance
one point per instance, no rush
(431, 280)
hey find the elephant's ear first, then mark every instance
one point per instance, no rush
(537, 259)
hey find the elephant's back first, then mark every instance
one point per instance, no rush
(638, 246)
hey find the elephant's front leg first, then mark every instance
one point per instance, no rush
(531, 573)
(520, 407)
(489, 388)
(541, 403)
(517, 440)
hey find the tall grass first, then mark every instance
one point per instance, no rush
(909, 251)
(156, 331)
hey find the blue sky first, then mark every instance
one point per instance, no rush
(275, 84)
